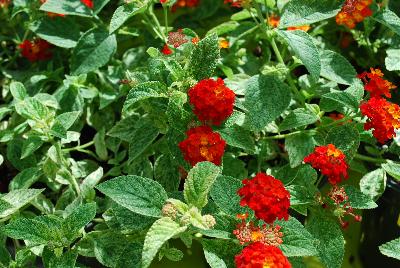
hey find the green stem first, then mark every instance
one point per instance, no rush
(165, 19)
(155, 19)
(83, 146)
(282, 136)
(296, 92)
(319, 180)
(369, 159)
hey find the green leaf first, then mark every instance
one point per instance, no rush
(297, 241)
(142, 136)
(17, 199)
(373, 184)
(125, 128)
(301, 197)
(266, 98)
(160, 232)
(124, 12)
(66, 7)
(346, 138)
(204, 57)
(359, 200)
(78, 219)
(199, 182)
(31, 108)
(392, 60)
(302, 175)
(298, 118)
(100, 144)
(140, 195)
(142, 91)
(224, 28)
(166, 172)
(66, 260)
(239, 137)
(339, 101)
(392, 168)
(331, 242)
(30, 145)
(61, 32)
(91, 181)
(305, 12)
(18, 90)
(39, 230)
(25, 178)
(62, 123)
(93, 50)
(389, 19)
(220, 253)
(337, 68)
(299, 146)
(391, 249)
(304, 48)
(224, 194)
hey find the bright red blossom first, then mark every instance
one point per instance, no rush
(202, 144)
(35, 50)
(375, 84)
(166, 50)
(259, 255)
(88, 3)
(353, 12)
(383, 118)
(330, 161)
(238, 3)
(212, 100)
(267, 196)
(185, 3)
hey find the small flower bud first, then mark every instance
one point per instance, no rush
(169, 210)
(209, 221)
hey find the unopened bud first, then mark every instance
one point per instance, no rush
(209, 221)
(169, 210)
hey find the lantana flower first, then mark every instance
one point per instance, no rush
(383, 118)
(375, 84)
(212, 101)
(266, 196)
(202, 144)
(185, 3)
(353, 12)
(248, 233)
(36, 50)
(330, 161)
(259, 255)
(274, 20)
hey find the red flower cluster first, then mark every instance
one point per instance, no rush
(36, 50)
(267, 196)
(330, 161)
(375, 84)
(248, 233)
(259, 255)
(166, 50)
(212, 100)
(4, 3)
(353, 12)
(184, 3)
(383, 118)
(202, 144)
(88, 3)
(177, 38)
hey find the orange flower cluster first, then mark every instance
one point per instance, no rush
(383, 115)
(330, 161)
(259, 255)
(238, 3)
(383, 118)
(36, 50)
(375, 84)
(353, 12)
(202, 144)
(274, 20)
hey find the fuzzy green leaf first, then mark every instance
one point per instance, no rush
(346, 138)
(140, 195)
(373, 183)
(304, 12)
(199, 182)
(304, 48)
(93, 50)
(160, 232)
(359, 200)
(391, 249)
(17, 199)
(298, 118)
(266, 98)
(337, 68)
(389, 19)
(392, 168)
(125, 12)
(66, 7)
(224, 194)
(204, 57)
(299, 146)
